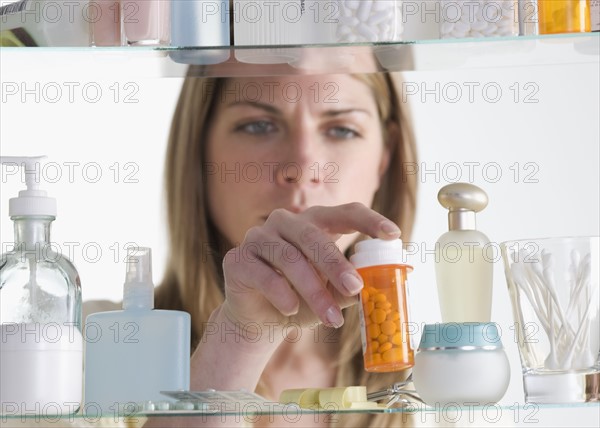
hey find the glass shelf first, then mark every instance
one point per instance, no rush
(276, 409)
(155, 62)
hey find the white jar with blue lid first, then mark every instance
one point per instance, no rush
(461, 363)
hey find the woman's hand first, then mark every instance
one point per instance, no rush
(290, 270)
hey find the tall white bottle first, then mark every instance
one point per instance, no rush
(41, 351)
(462, 265)
(133, 354)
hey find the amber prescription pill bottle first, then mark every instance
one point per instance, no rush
(383, 305)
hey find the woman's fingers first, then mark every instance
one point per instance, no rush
(354, 217)
(293, 264)
(255, 274)
(314, 238)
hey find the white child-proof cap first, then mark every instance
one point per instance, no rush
(376, 252)
(33, 201)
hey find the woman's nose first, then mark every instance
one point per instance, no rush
(301, 164)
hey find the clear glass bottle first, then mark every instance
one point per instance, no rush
(145, 22)
(564, 16)
(40, 310)
(383, 305)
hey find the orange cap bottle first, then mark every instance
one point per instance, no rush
(383, 305)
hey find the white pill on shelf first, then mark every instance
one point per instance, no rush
(490, 29)
(368, 33)
(479, 25)
(148, 406)
(352, 4)
(447, 27)
(461, 27)
(377, 18)
(343, 30)
(184, 405)
(458, 34)
(162, 405)
(364, 10)
(383, 5)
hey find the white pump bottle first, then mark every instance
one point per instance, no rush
(41, 351)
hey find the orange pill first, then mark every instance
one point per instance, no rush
(379, 297)
(372, 291)
(369, 306)
(382, 338)
(373, 330)
(383, 305)
(393, 316)
(393, 354)
(388, 327)
(384, 347)
(374, 345)
(397, 339)
(378, 315)
(376, 358)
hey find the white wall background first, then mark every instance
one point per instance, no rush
(537, 157)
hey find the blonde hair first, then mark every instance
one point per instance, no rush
(194, 279)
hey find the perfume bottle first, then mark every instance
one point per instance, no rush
(463, 269)
(41, 352)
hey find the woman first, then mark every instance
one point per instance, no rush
(269, 181)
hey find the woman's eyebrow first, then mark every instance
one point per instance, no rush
(334, 113)
(255, 104)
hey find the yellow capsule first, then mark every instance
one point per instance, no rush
(392, 355)
(382, 338)
(393, 316)
(397, 339)
(378, 315)
(373, 330)
(388, 327)
(383, 305)
(384, 347)
(379, 297)
(371, 291)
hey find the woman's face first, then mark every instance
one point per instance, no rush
(291, 142)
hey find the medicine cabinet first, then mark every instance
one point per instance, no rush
(22, 64)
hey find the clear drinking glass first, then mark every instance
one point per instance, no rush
(553, 286)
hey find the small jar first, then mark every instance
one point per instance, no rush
(478, 18)
(383, 305)
(461, 363)
(369, 21)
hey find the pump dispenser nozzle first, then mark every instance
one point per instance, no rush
(33, 201)
(138, 292)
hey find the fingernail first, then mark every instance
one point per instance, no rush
(352, 283)
(389, 228)
(334, 317)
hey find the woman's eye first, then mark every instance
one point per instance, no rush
(342, 133)
(259, 127)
